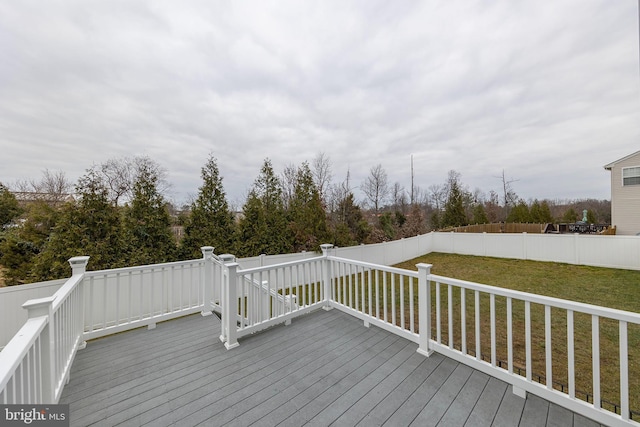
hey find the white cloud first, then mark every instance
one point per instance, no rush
(549, 94)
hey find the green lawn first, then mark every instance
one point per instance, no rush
(612, 288)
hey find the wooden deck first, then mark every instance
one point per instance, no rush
(325, 368)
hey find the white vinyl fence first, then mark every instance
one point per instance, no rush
(12, 315)
(621, 252)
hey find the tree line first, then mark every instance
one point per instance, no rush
(120, 215)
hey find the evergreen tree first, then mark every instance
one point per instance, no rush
(211, 223)
(268, 188)
(21, 245)
(252, 228)
(435, 220)
(387, 225)
(591, 217)
(91, 226)
(540, 212)
(17, 256)
(147, 223)
(307, 218)
(570, 216)
(545, 213)
(9, 208)
(535, 212)
(350, 226)
(454, 213)
(479, 214)
(520, 213)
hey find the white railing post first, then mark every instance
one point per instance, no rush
(265, 300)
(224, 278)
(326, 276)
(424, 309)
(79, 266)
(38, 308)
(231, 305)
(207, 255)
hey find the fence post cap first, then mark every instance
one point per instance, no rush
(325, 248)
(423, 265)
(39, 306)
(227, 258)
(207, 252)
(78, 264)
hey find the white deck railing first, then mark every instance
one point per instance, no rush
(479, 325)
(379, 295)
(461, 310)
(257, 298)
(36, 363)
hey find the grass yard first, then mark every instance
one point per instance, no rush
(619, 289)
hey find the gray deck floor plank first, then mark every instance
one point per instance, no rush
(488, 403)
(458, 412)
(510, 411)
(263, 374)
(325, 368)
(415, 403)
(291, 385)
(535, 411)
(214, 384)
(559, 416)
(403, 391)
(296, 391)
(333, 401)
(380, 390)
(581, 421)
(446, 395)
(155, 395)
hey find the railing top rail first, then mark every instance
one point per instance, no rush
(386, 268)
(142, 267)
(13, 353)
(611, 313)
(281, 265)
(64, 291)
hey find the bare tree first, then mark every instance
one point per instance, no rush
(492, 207)
(399, 196)
(53, 187)
(120, 174)
(376, 187)
(148, 165)
(437, 195)
(420, 196)
(339, 192)
(322, 174)
(288, 180)
(510, 198)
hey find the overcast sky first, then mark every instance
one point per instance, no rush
(549, 92)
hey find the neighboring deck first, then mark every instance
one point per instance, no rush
(324, 368)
